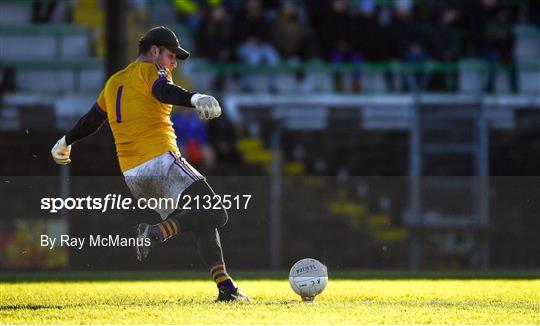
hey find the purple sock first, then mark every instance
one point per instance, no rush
(155, 233)
(228, 285)
(165, 230)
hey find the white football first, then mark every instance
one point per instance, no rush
(308, 278)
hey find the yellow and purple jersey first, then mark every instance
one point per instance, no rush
(140, 123)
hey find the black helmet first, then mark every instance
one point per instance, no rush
(162, 36)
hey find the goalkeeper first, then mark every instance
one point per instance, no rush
(137, 103)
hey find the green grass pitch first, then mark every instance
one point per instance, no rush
(350, 298)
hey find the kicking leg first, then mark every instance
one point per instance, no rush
(209, 247)
(203, 223)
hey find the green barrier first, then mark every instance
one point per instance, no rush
(367, 67)
(378, 67)
(527, 31)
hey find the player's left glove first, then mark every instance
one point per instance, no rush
(60, 152)
(206, 106)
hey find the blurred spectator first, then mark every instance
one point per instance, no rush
(404, 5)
(265, 32)
(251, 23)
(214, 37)
(408, 37)
(500, 44)
(292, 38)
(188, 11)
(252, 29)
(534, 12)
(337, 40)
(47, 11)
(371, 38)
(443, 38)
(254, 52)
(290, 35)
(444, 43)
(192, 136)
(315, 15)
(214, 40)
(490, 25)
(43, 11)
(407, 34)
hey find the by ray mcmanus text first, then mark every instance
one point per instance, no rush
(110, 240)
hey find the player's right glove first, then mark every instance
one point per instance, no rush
(60, 152)
(206, 106)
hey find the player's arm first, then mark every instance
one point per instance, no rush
(87, 125)
(166, 92)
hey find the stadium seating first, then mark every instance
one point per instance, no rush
(20, 12)
(58, 55)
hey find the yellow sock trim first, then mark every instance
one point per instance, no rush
(163, 231)
(213, 270)
(174, 227)
(221, 279)
(169, 228)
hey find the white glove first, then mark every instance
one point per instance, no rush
(206, 106)
(60, 152)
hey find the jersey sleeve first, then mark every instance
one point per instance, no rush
(155, 74)
(100, 103)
